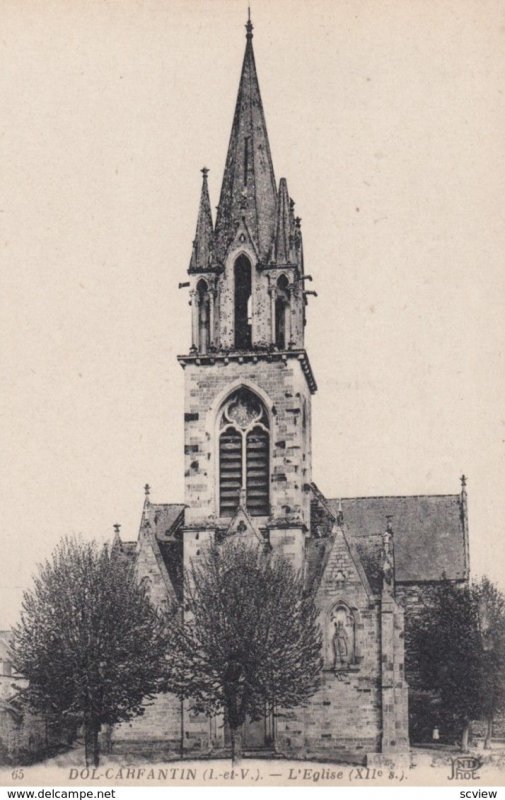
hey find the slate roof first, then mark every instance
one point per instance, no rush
(165, 518)
(429, 536)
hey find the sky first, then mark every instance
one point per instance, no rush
(387, 120)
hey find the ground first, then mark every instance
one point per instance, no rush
(430, 766)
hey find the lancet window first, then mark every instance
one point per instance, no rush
(244, 454)
(203, 316)
(281, 312)
(243, 303)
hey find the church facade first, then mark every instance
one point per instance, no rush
(248, 473)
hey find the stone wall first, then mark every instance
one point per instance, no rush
(283, 388)
(157, 732)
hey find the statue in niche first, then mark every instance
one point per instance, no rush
(342, 639)
(388, 569)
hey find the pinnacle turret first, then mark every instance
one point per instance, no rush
(284, 250)
(202, 257)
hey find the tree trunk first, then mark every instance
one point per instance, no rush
(236, 745)
(464, 737)
(489, 733)
(87, 744)
(91, 748)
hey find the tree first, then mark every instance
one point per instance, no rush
(491, 618)
(82, 641)
(247, 640)
(447, 646)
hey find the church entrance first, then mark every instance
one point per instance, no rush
(256, 734)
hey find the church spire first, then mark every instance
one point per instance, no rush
(248, 190)
(202, 257)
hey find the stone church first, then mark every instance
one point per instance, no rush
(248, 473)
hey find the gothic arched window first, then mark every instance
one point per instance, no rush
(244, 454)
(281, 310)
(203, 315)
(243, 298)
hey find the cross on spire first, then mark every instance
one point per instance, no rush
(249, 26)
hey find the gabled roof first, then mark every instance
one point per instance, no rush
(163, 521)
(327, 532)
(428, 532)
(165, 518)
(248, 190)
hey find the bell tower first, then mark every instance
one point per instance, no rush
(248, 380)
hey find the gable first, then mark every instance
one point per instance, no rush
(150, 568)
(243, 526)
(341, 573)
(429, 536)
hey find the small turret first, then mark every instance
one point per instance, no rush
(202, 256)
(284, 248)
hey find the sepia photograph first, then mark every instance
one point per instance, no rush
(252, 419)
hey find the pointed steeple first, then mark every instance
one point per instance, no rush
(248, 190)
(202, 257)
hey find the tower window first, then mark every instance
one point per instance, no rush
(243, 301)
(281, 311)
(244, 455)
(203, 315)
(230, 470)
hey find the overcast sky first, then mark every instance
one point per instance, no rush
(387, 119)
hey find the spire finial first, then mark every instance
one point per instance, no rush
(463, 480)
(340, 514)
(204, 172)
(249, 25)
(147, 490)
(117, 528)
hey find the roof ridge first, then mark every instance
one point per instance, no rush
(388, 496)
(168, 504)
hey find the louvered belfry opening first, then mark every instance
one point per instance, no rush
(257, 474)
(230, 462)
(244, 454)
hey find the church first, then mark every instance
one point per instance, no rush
(248, 473)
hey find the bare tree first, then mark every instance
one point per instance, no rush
(247, 641)
(85, 629)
